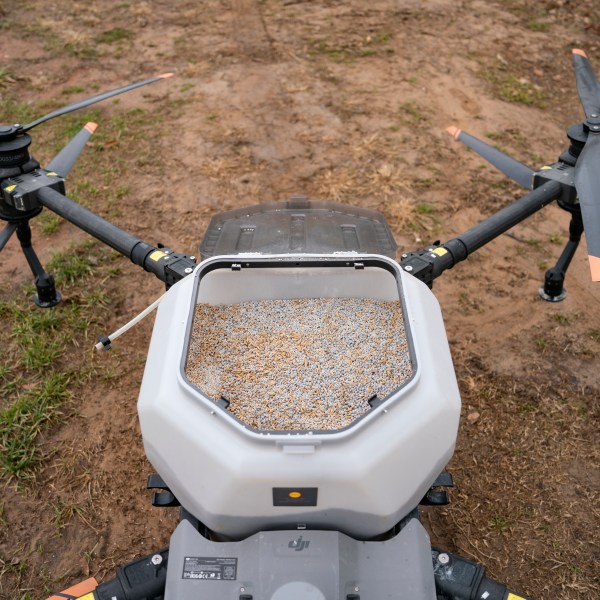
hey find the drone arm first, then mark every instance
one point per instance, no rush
(430, 263)
(482, 233)
(162, 263)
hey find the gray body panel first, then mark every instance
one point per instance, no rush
(300, 565)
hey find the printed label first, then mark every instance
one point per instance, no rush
(210, 567)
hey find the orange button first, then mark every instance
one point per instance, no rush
(295, 495)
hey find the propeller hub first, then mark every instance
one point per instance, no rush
(9, 132)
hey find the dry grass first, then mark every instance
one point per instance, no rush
(522, 472)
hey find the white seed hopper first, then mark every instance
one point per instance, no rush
(361, 479)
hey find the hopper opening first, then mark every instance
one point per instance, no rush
(299, 348)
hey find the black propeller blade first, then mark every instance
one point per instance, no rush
(587, 168)
(63, 162)
(588, 87)
(517, 171)
(93, 100)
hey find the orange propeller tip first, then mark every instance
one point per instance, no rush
(579, 52)
(594, 267)
(91, 126)
(454, 132)
(166, 75)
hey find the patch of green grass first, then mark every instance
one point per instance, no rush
(17, 112)
(495, 135)
(534, 243)
(556, 238)
(338, 53)
(463, 298)
(424, 208)
(114, 35)
(22, 422)
(88, 557)
(66, 127)
(55, 43)
(502, 184)
(82, 50)
(63, 513)
(374, 43)
(424, 182)
(411, 113)
(36, 382)
(538, 25)
(48, 222)
(14, 568)
(563, 319)
(69, 125)
(6, 77)
(382, 38)
(74, 89)
(594, 334)
(352, 50)
(511, 88)
(40, 352)
(71, 266)
(499, 522)
(538, 159)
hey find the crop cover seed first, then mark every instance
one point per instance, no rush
(301, 364)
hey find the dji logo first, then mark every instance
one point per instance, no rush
(298, 544)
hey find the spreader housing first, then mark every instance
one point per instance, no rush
(361, 478)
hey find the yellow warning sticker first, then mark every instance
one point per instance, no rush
(440, 251)
(157, 255)
(514, 597)
(86, 597)
(10, 188)
(546, 168)
(52, 174)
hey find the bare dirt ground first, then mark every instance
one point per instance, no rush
(339, 100)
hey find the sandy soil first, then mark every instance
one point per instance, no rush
(345, 101)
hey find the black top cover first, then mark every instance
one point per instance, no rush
(298, 226)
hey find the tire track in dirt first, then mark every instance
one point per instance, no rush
(250, 31)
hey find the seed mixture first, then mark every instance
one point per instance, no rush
(300, 364)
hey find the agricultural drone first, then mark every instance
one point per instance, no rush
(300, 509)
